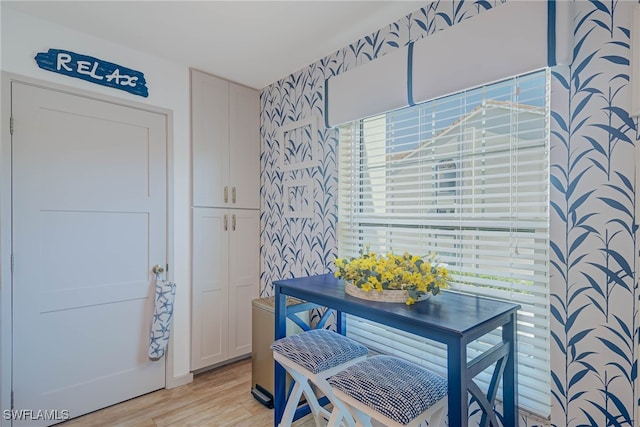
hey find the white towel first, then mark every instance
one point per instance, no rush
(162, 314)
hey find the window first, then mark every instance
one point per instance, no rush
(466, 177)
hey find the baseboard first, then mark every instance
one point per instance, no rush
(221, 364)
(173, 382)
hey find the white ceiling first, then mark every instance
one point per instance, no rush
(251, 42)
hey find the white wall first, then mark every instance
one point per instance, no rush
(23, 36)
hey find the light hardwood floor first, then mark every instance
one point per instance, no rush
(217, 398)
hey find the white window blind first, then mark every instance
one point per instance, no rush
(466, 177)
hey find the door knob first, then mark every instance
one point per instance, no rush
(157, 269)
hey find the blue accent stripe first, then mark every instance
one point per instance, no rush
(326, 103)
(551, 33)
(410, 74)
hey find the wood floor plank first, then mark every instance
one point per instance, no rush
(217, 398)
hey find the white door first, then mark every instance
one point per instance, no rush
(244, 147)
(244, 275)
(89, 222)
(210, 134)
(210, 302)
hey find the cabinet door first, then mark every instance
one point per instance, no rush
(210, 139)
(210, 295)
(244, 271)
(244, 147)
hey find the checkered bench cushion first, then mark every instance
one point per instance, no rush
(319, 349)
(398, 389)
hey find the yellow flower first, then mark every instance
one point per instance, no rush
(380, 272)
(387, 276)
(366, 287)
(373, 280)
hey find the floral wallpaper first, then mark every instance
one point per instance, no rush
(594, 287)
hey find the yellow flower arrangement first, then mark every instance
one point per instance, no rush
(415, 275)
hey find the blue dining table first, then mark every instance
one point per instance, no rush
(452, 318)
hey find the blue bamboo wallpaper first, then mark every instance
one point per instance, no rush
(594, 287)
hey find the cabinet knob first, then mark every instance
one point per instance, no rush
(233, 194)
(226, 225)
(226, 194)
(233, 222)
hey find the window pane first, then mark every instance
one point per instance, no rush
(466, 177)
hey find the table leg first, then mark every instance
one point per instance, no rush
(457, 373)
(279, 392)
(341, 322)
(510, 377)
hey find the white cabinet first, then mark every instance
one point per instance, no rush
(244, 147)
(244, 277)
(225, 281)
(210, 290)
(225, 142)
(226, 200)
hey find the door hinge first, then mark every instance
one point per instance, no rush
(12, 262)
(11, 125)
(167, 269)
(12, 405)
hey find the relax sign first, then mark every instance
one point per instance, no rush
(93, 70)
